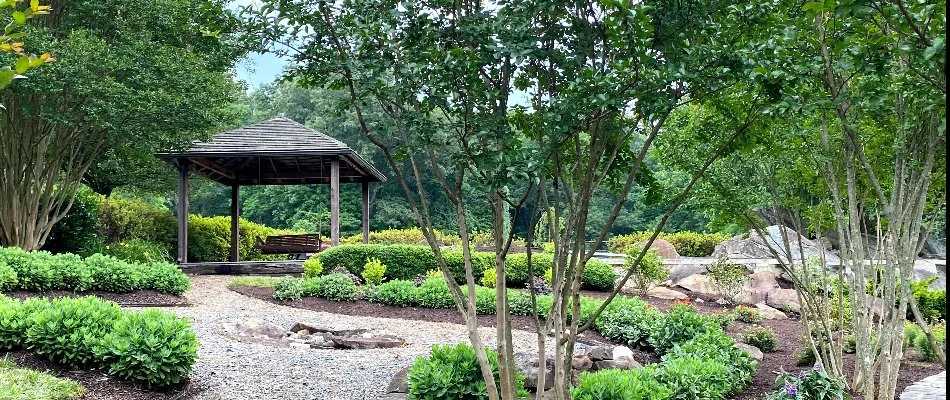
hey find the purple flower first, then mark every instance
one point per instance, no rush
(801, 375)
(817, 368)
(791, 388)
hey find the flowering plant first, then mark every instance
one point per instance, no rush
(813, 384)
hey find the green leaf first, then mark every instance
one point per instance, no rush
(22, 64)
(19, 17)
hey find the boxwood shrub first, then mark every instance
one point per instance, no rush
(692, 378)
(8, 278)
(336, 287)
(399, 293)
(434, 293)
(152, 347)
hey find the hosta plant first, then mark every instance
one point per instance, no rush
(288, 289)
(452, 372)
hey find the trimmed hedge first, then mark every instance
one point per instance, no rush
(686, 243)
(40, 270)
(154, 348)
(406, 262)
(412, 236)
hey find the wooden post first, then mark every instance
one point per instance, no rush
(235, 222)
(334, 202)
(365, 212)
(183, 210)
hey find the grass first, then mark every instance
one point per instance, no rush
(25, 384)
(260, 281)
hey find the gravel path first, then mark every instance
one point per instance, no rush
(228, 369)
(930, 388)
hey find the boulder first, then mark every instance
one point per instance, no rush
(666, 293)
(756, 246)
(615, 364)
(301, 326)
(758, 287)
(663, 248)
(582, 363)
(361, 343)
(680, 271)
(784, 299)
(399, 384)
(529, 366)
(598, 353)
(623, 353)
(699, 284)
(924, 269)
(752, 351)
(769, 313)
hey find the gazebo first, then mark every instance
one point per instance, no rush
(278, 151)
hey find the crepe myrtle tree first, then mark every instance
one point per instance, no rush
(520, 101)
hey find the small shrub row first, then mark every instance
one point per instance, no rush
(411, 236)
(153, 347)
(690, 244)
(40, 270)
(409, 261)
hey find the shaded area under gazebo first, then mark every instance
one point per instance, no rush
(278, 151)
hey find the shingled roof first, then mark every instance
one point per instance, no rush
(274, 152)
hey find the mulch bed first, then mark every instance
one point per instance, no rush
(141, 298)
(100, 386)
(788, 334)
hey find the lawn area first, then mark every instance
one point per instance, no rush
(25, 384)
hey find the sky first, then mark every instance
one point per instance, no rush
(258, 69)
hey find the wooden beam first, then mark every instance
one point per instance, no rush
(214, 167)
(335, 202)
(365, 187)
(183, 211)
(235, 223)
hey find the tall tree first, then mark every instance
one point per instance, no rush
(127, 72)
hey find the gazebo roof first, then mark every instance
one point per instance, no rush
(278, 151)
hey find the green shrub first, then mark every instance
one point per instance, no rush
(729, 277)
(68, 330)
(336, 287)
(35, 270)
(288, 289)
(762, 337)
(402, 261)
(724, 319)
(15, 318)
(411, 236)
(747, 314)
(598, 275)
(373, 271)
(8, 278)
(627, 320)
(519, 303)
(153, 347)
(719, 348)
(489, 278)
(113, 275)
(681, 323)
(695, 378)
(164, 277)
(135, 250)
(911, 331)
(312, 268)
(310, 287)
(452, 372)
(922, 343)
(486, 302)
(932, 304)
(516, 267)
(434, 293)
(124, 220)
(690, 244)
(811, 384)
(78, 230)
(399, 293)
(648, 272)
(616, 384)
(588, 306)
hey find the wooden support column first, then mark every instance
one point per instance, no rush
(235, 222)
(334, 202)
(183, 210)
(365, 212)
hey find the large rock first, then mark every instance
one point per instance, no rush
(615, 364)
(680, 271)
(924, 269)
(663, 248)
(255, 327)
(529, 366)
(599, 353)
(757, 246)
(699, 284)
(399, 384)
(784, 299)
(666, 293)
(769, 313)
(363, 343)
(758, 287)
(303, 326)
(752, 351)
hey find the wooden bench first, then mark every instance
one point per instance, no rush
(289, 244)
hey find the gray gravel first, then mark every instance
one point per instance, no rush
(930, 388)
(228, 369)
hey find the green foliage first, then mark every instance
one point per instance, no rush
(79, 229)
(412, 236)
(72, 273)
(399, 293)
(152, 347)
(719, 348)
(14, 320)
(749, 315)
(137, 250)
(695, 378)
(8, 277)
(648, 272)
(922, 343)
(724, 319)
(124, 220)
(34, 270)
(729, 277)
(113, 275)
(627, 320)
(616, 384)
(313, 267)
(689, 244)
(598, 275)
(486, 302)
(402, 261)
(452, 372)
(489, 278)
(68, 330)
(209, 238)
(336, 287)
(289, 289)
(26, 384)
(165, 277)
(519, 303)
(516, 267)
(811, 384)
(762, 337)
(373, 271)
(259, 281)
(931, 303)
(681, 323)
(434, 293)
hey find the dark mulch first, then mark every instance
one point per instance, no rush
(788, 334)
(141, 298)
(100, 386)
